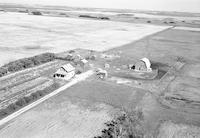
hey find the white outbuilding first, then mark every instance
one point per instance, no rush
(102, 74)
(143, 65)
(82, 63)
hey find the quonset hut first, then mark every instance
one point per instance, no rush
(143, 65)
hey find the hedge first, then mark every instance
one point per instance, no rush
(94, 17)
(26, 100)
(36, 13)
(87, 16)
(26, 63)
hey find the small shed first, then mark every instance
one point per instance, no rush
(106, 65)
(102, 74)
(69, 57)
(143, 65)
(83, 63)
(65, 72)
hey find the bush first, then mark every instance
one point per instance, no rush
(94, 17)
(128, 125)
(69, 58)
(91, 57)
(71, 51)
(36, 13)
(23, 11)
(21, 102)
(27, 63)
(28, 99)
(62, 13)
(3, 72)
(104, 18)
(12, 107)
(88, 16)
(41, 93)
(3, 113)
(35, 95)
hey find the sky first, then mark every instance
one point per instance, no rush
(159, 5)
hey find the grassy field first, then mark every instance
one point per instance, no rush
(62, 116)
(181, 86)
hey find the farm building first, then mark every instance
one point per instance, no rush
(143, 65)
(69, 57)
(77, 57)
(102, 74)
(65, 72)
(83, 63)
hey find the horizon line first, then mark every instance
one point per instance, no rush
(83, 7)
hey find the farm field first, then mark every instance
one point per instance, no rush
(136, 14)
(75, 111)
(25, 35)
(24, 83)
(179, 89)
(69, 118)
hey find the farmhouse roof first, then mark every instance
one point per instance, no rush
(62, 72)
(68, 67)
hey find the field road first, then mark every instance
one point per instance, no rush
(74, 81)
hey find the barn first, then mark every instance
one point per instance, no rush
(65, 72)
(143, 65)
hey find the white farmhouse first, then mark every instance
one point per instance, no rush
(65, 72)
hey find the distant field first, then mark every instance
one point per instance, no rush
(25, 35)
(136, 14)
